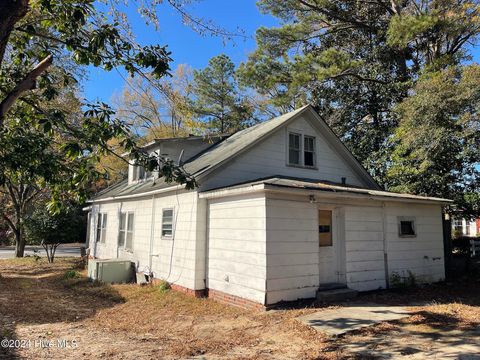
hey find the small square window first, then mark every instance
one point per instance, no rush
(406, 227)
(167, 223)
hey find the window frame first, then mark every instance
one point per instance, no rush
(331, 228)
(101, 228)
(172, 224)
(302, 136)
(313, 151)
(411, 219)
(125, 231)
(300, 139)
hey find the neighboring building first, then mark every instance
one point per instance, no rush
(281, 209)
(465, 227)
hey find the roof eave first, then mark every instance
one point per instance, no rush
(330, 193)
(139, 195)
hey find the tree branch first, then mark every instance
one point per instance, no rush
(28, 83)
(9, 222)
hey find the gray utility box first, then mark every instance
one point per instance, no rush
(110, 271)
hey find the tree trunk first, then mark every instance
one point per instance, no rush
(11, 11)
(19, 244)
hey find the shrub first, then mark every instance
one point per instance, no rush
(461, 245)
(51, 230)
(71, 274)
(402, 282)
(164, 287)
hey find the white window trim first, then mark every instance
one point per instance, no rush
(101, 237)
(168, 237)
(299, 149)
(124, 246)
(414, 225)
(314, 151)
(148, 175)
(302, 150)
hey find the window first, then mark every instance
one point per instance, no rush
(325, 227)
(125, 234)
(294, 149)
(138, 172)
(301, 150)
(467, 227)
(309, 151)
(101, 227)
(167, 222)
(457, 223)
(406, 227)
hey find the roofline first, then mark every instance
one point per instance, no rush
(331, 193)
(330, 135)
(174, 139)
(345, 151)
(203, 173)
(133, 196)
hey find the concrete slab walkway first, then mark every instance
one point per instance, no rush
(342, 320)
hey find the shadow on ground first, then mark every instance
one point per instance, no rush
(425, 334)
(33, 293)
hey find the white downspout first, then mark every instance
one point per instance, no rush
(152, 235)
(207, 240)
(385, 245)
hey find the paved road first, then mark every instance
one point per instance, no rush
(68, 250)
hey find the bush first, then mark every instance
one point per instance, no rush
(50, 230)
(403, 282)
(461, 245)
(164, 287)
(72, 274)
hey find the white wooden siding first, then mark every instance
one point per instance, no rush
(178, 259)
(422, 255)
(292, 250)
(269, 158)
(296, 265)
(236, 246)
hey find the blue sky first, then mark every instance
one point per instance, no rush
(186, 45)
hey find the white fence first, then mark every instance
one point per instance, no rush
(475, 247)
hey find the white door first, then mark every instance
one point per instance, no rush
(331, 245)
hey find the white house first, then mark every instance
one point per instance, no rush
(282, 208)
(466, 227)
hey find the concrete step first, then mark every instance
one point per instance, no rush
(335, 295)
(331, 286)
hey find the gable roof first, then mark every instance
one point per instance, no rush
(227, 149)
(241, 141)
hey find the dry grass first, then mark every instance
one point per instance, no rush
(133, 322)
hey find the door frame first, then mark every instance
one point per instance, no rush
(338, 241)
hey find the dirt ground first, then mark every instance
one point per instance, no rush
(52, 316)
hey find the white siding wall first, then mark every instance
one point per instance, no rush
(422, 255)
(292, 250)
(364, 246)
(236, 243)
(176, 259)
(296, 265)
(269, 158)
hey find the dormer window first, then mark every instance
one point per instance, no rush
(140, 173)
(301, 150)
